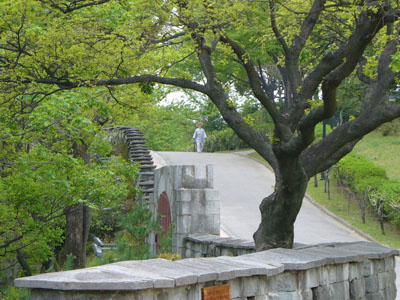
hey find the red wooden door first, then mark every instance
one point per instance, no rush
(165, 218)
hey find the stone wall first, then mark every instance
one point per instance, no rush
(194, 203)
(359, 270)
(208, 245)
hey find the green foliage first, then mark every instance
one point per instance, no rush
(319, 131)
(390, 129)
(40, 185)
(354, 169)
(362, 176)
(388, 192)
(131, 241)
(166, 241)
(221, 140)
(12, 293)
(136, 227)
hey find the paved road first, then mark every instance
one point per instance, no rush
(243, 183)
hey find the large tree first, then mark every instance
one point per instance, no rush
(207, 46)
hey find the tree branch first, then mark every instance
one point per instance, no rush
(255, 83)
(73, 5)
(333, 68)
(275, 29)
(377, 109)
(307, 26)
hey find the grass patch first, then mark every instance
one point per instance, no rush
(383, 151)
(342, 205)
(349, 211)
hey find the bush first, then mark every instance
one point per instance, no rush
(358, 173)
(225, 139)
(12, 293)
(389, 193)
(362, 177)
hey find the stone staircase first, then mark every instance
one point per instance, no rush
(138, 153)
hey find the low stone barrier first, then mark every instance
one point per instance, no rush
(342, 271)
(209, 245)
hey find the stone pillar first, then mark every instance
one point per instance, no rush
(195, 206)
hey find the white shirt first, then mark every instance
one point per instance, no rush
(200, 135)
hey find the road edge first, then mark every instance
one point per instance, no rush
(322, 208)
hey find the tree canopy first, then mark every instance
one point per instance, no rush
(292, 57)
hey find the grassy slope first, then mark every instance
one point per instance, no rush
(384, 151)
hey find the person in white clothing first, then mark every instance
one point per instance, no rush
(199, 137)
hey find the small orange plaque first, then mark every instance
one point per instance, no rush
(218, 292)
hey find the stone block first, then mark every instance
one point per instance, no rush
(323, 276)
(368, 250)
(226, 251)
(193, 292)
(217, 224)
(273, 296)
(182, 275)
(203, 224)
(331, 269)
(334, 254)
(250, 286)
(304, 280)
(389, 263)
(183, 195)
(183, 224)
(212, 195)
(183, 208)
(192, 177)
(368, 268)
(379, 265)
(392, 277)
(371, 283)
(342, 272)
(314, 277)
(289, 296)
(287, 282)
(291, 259)
(390, 292)
(387, 279)
(357, 288)
(188, 253)
(306, 295)
(107, 277)
(212, 208)
(375, 296)
(225, 270)
(355, 271)
(339, 290)
(236, 288)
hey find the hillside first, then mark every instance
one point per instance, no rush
(383, 151)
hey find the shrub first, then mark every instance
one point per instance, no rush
(362, 176)
(389, 193)
(358, 173)
(221, 140)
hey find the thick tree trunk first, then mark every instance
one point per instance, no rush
(78, 220)
(280, 209)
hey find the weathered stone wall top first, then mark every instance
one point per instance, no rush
(193, 176)
(159, 273)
